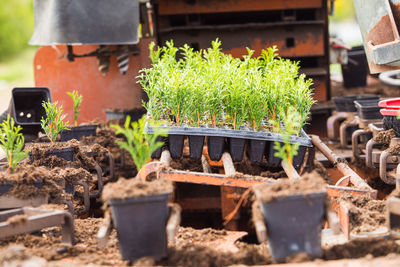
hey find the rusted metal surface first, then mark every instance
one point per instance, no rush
(352, 121)
(174, 7)
(228, 204)
(37, 219)
(10, 202)
(355, 146)
(113, 90)
(292, 40)
(340, 163)
(332, 124)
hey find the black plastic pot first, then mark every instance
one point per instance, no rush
(299, 158)
(236, 148)
(66, 153)
(176, 143)
(140, 224)
(7, 185)
(27, 109)
(135, 114)
(196, 144)
(356, 71)
(215, 146)
(157, 154)
(272, 160)
(78, 132)
(294, 225)
(257, 149)
(346, 103)
(368, 109)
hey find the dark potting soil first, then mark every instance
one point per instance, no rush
(365, 213)
(384, 137)
(188, 235)
(134, 187)
(395, 150)
(323, 172)
(308, 183)
(187, 164)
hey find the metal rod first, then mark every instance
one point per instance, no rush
(331, 122)
(354, 142)
(340, 163)
(343, 132)
(368, 157)
(383, 166)
(229, 168)
(290, 171)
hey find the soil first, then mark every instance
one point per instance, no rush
(384, 137)
(359, 248)
(366, 214)
(187, 164)
(308, 183)
(323, 172)
(394, 150)
(17, 219)
(135, 187)
(188, 235)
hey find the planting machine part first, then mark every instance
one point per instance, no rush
(78, 132)
(385, 161)
(368, 129)
(26, 107)
(393, 214)
(368, 109)
(37, 219)
(11, 202)
(333, 122)
(342, 210)
(70, 189)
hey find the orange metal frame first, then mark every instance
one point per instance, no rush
(100, 92)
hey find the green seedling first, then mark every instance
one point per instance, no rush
(54, 122)
(139, 144)
(12, 142)
(77, 99)
(287, 150)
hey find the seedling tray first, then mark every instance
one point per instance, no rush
(346, 103)
(368, 109)
(219, 139)
(78, 132)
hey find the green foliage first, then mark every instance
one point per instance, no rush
(210, 87)
(12, 142)
(54, 123)
(139, 145)
(16, 26)
(77, 99)
(286, 151)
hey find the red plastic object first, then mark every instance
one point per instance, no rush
(393, 103)
(390, 112)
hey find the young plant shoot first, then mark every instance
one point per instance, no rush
(77, 99)
(139, 144)
(12, 142)
(292, 126)
(54, 122)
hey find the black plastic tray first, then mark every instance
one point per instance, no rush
(392, 122)
(219, 140)
(346, 103)
(368, 109)
(78, 132)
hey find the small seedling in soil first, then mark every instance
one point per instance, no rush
(139, 145)
(292, 123)
(77, 99)
(54, 122)
(12, 142)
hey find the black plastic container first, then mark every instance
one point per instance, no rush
(356, 71)
(257, 148)
(196, 144)
(294, 225)
(140, 224)
(368, 109)
(176, 143)
(78, 132)
(215, 146)
(236, 148)
(299, 158)
(66, 153)
(27, 109)
(135, 114)
(346, 103)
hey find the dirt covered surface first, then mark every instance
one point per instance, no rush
(308, 183)
(384, 137)
(125, 188)
(365, 214)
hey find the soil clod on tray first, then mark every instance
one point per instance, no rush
(365, 214)
(135, 187)
(384, 137)
(308, 183)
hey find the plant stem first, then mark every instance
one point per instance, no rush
(198, 119)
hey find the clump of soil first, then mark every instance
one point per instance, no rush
(189, 235)
(18, 256)
(366, 214)
(187, 164)
(308, 183)
(394, 150)
(135, 187)
(17, 219)
(358, 248)
(384, 137)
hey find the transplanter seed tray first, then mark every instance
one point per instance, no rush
(260, 143)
